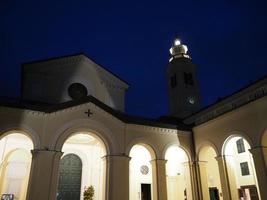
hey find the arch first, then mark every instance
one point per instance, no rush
(143, 142)
(86, 132)
(187, 152)
(178, 174)
(14, 133)
(206, 144)
(141, 172)
(263, 139)
(232, 135)
(30, 133)
(209, 169)
(90, 149)
(240, 165)
(204, 147)
(15, 150)
(98, 131)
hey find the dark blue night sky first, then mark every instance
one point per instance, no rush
(226, 39)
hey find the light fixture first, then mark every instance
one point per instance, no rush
(177, 42)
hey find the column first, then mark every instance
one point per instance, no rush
(191, 181)
(117, 178)
(259, 156)
(226, 191)
(44, 175)
(202, 180)
(195, 181)
(159, 189)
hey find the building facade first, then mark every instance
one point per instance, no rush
(70, 132)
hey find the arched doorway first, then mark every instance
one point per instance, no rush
(15, 155)
(83, 153)
(140, 173)
(70, 174)
(240, 168)
(178, 174)
(209, 174)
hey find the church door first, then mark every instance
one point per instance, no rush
(214, 193)
(70, 173)
(146, 191)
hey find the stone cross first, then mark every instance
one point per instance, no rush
(89, 113)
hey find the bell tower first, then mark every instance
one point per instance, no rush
(184, 97)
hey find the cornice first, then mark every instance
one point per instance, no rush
(58, 62)
(150, 129)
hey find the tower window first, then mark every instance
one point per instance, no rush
(244, 168)
(240, 146)
(173, 81)
(188, 78)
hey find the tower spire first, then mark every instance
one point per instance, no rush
(178, 50)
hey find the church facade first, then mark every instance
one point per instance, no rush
(69, 136)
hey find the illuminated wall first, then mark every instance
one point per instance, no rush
(15, 165)
(177, 174)
(91, 151)
(210, 175)
(234, 159)
(140, 171)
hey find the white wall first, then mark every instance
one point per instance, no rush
(177, 174)
(90, 151)
(140, 156)
(15, 165)
(236, 158)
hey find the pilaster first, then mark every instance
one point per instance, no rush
(260, 159)
(190, 181)
(117, 178)
(203, 186)
(224, 179)
(159, 179)
(44, 175)
(195, 181)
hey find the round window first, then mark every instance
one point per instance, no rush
(77, 91)
(144, 169)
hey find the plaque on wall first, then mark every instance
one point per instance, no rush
(7, 197)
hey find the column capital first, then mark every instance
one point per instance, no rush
(258, 149)
(223, 157)
(36, 152)
(199, 162)
(220, 157)
(119, 156)
(159, 161)
(189, 163)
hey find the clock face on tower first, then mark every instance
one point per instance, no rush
(191, 100)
